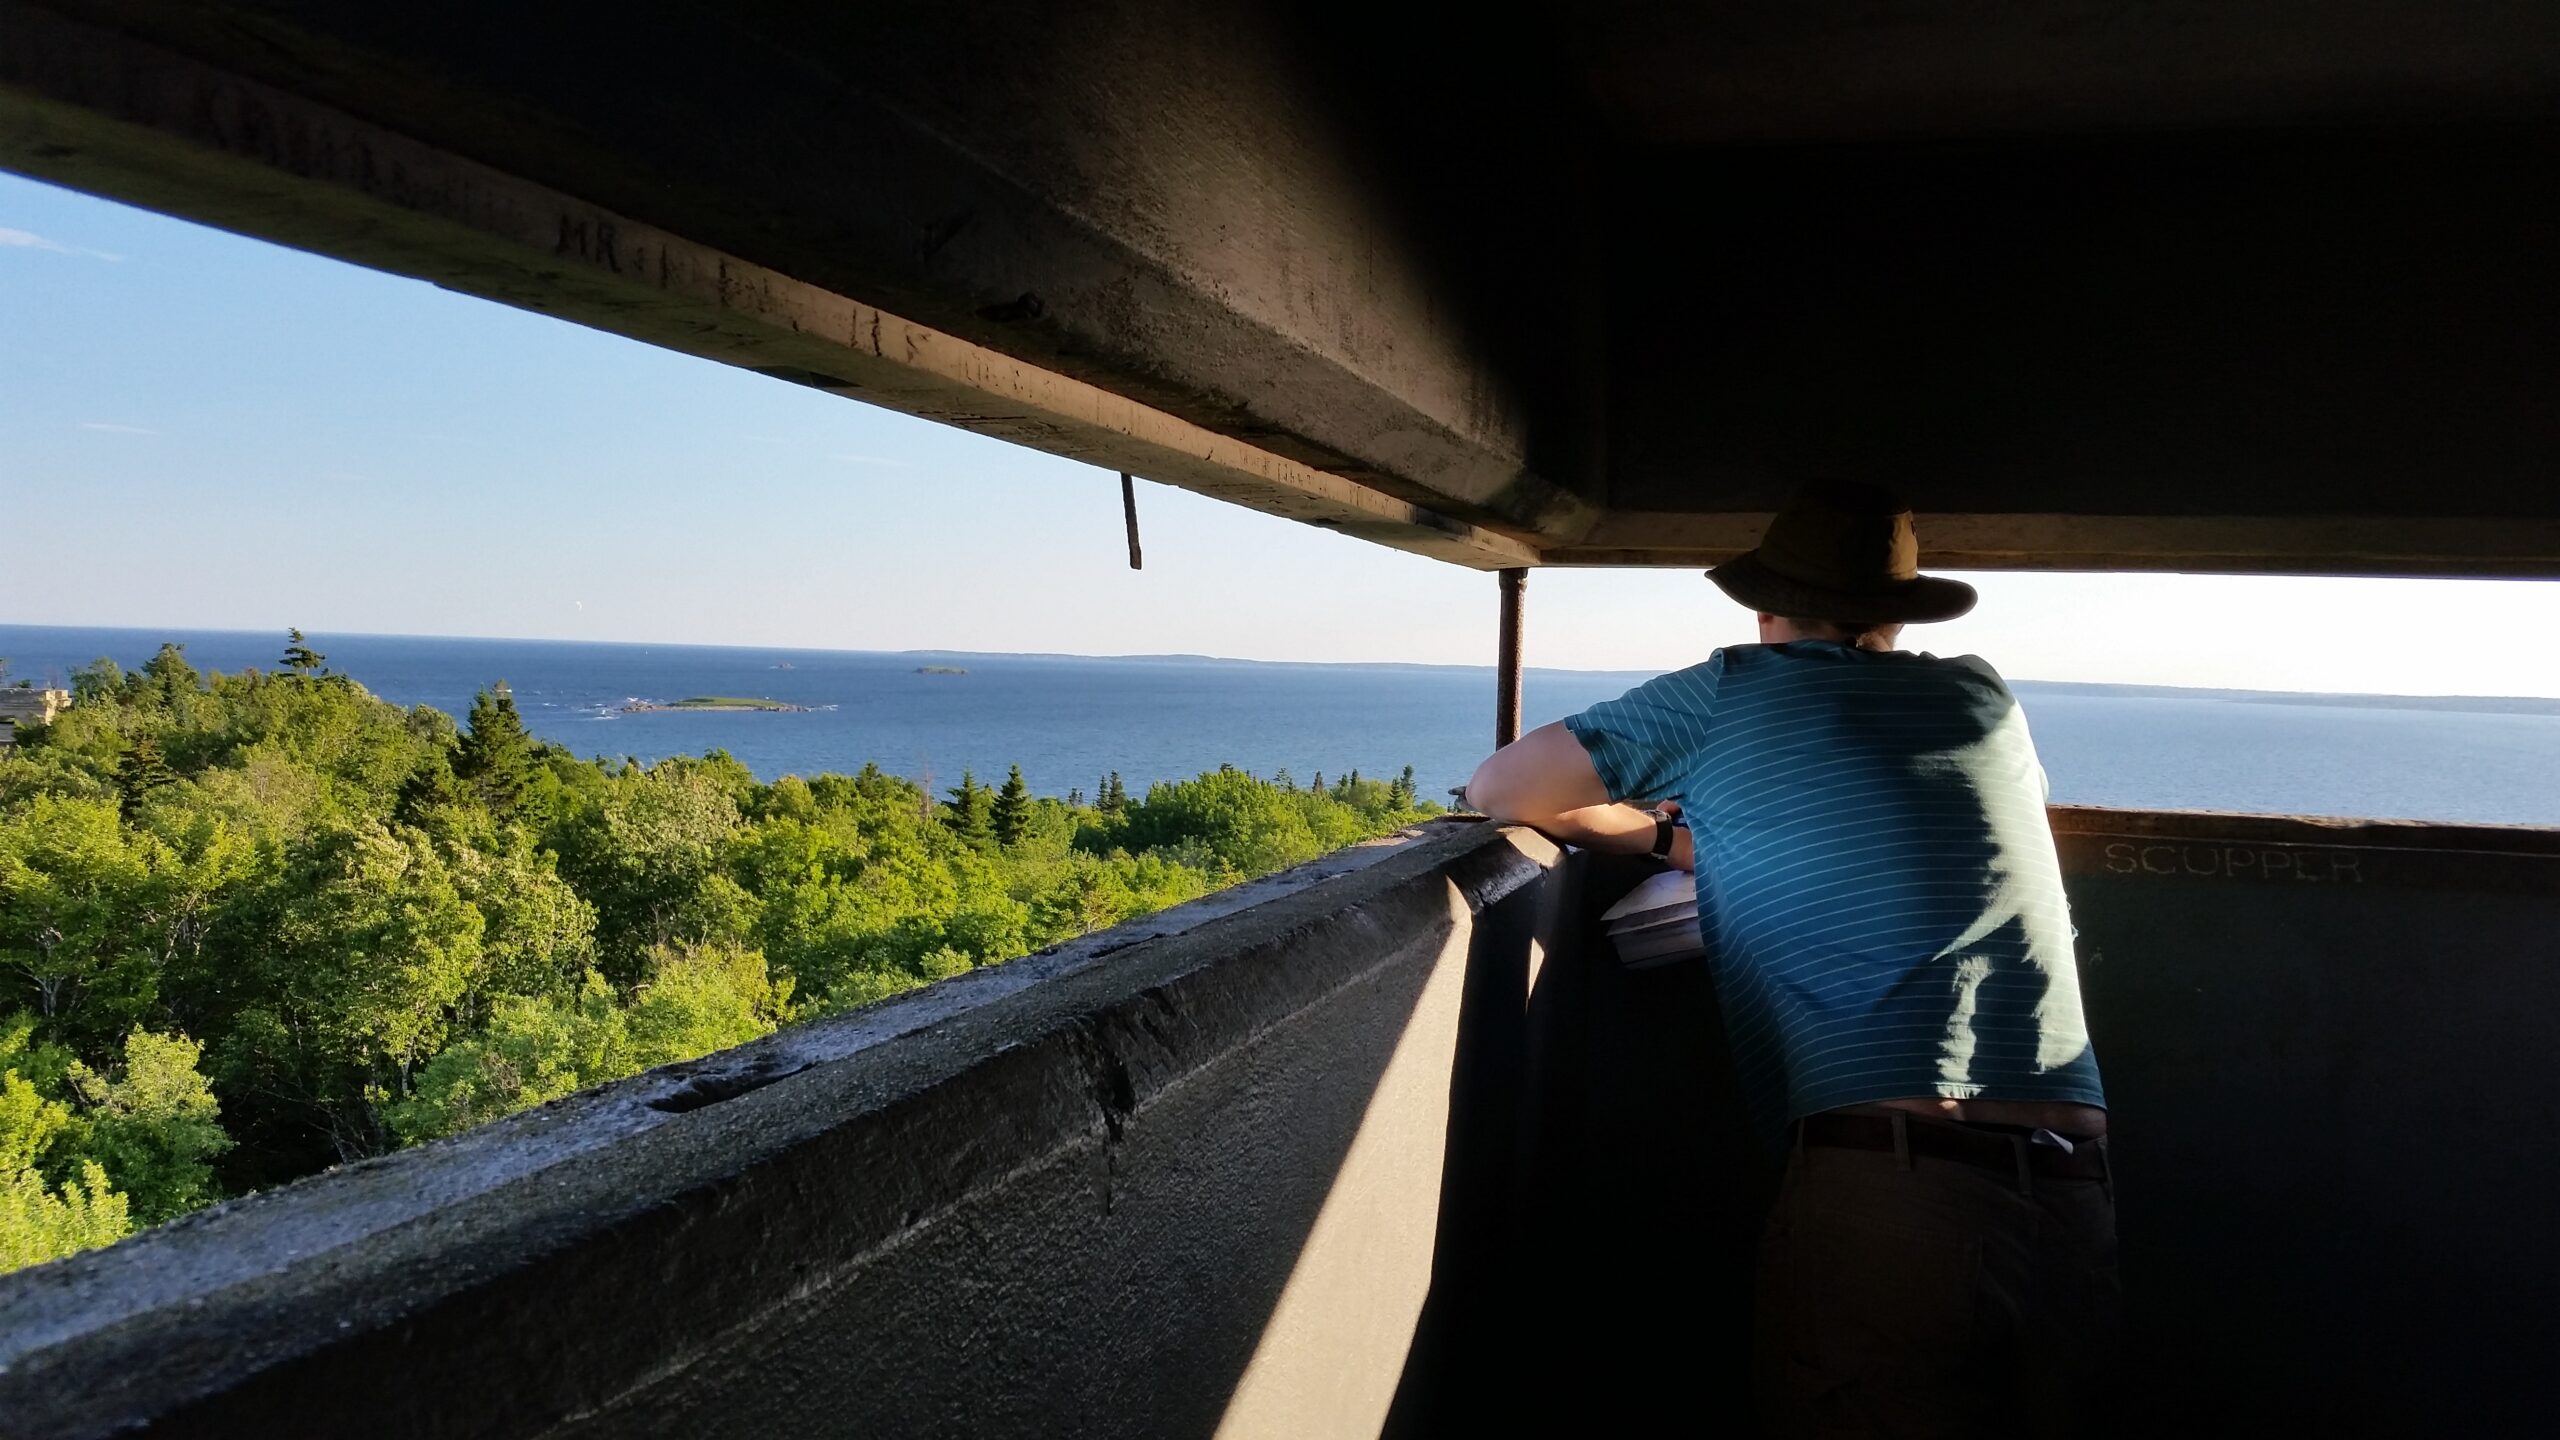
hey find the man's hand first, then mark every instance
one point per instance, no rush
(1545, 780)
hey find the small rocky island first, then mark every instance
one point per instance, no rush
(710, 702)
(940, 670)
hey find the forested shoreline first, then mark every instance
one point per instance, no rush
(257, 924)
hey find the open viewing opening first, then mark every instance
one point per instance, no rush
(650, 705)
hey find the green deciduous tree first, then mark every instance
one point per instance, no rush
(76, 928)
(535, 1050)
(41, 1221)
(153, 1125)
(641, 849)
(369, 948)
(1247, 826)
(100, 679)
(37, 1224)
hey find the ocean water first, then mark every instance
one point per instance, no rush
(1069, 719)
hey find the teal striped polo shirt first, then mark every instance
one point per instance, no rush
(1876, 876)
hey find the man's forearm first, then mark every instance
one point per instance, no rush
(1546, 780)
(1610, 829)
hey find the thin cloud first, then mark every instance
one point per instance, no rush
(870, 460)
(116, 429)
(30, 240)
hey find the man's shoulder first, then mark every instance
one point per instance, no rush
(1970, 667)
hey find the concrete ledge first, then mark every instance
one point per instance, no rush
(971, 1164)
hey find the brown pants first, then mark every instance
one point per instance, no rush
(1915, 1295)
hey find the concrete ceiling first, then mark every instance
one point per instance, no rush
(2254, 285)
(1855, 70)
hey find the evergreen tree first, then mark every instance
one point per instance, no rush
(142, 770)
(496, 758)
(971, 813)
(1075, 798)
(430, 785)
(300, 658)
(1402, 793)
(171, 680)
(1284, 780)
(1012, 811)
(1316, 786)
(1115, 795)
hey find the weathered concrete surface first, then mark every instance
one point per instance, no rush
(2253, 286)
(164, 131)
(1840, 70)
(2285, 351)
(1145, 197)
(1182, 1178)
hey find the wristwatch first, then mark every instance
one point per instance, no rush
(1663, 826)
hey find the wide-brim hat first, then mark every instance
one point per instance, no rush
(1847, 552)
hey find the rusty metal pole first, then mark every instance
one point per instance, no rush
(1506, 680)
(1129, 512)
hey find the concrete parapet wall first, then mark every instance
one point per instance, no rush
(1184, 1177)
(1388, 1145)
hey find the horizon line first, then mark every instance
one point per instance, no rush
(1194, 658)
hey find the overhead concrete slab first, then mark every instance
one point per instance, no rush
(2253, 287)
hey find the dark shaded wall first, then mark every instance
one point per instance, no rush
(2326, 1049)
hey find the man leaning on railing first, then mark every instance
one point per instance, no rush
(1883, 908)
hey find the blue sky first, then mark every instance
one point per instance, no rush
(203, 431)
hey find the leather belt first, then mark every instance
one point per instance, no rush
(1996, 1150)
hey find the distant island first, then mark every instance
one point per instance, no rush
(940, 670)
(709, 702)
